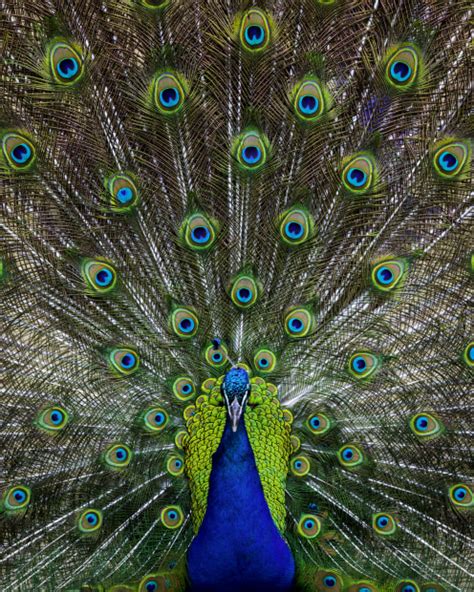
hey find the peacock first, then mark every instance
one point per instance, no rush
(236, 279)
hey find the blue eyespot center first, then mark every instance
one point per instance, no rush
(359, 364)
(169, 97)
(121, 454)
(172, 515)
(400, 71)
(308, 104)
(448, 161)
(104, 277)
(330, 581)
(357, 177)
(244, 294)
(298, 464)
(309, 524)
(263, 362)
(470, 353)
(251, 154)
(200, 234)
(460, 493)
(19, 496)
(294, 230)
(151, 587)
(408, 588)
(385, 275)
(159, 418)
(217, 357)
(295, 325)
(128, 361)
(364, 589)
(91, 518)
(67, 67)
(124, 195)
(382, 521)
(315, 422)
(178, 464)
(56, 417)
(21, 153)
(254, 35)
(186, 325)
(348, 454)
(186, 388)
(422, 423)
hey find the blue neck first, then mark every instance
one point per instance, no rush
(238, 546)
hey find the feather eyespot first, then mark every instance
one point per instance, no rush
(255, 30)
(264, 361)
(402, 69)
(359, 173)
(387, 275)
(155, 419)
(461, 496)
(90, 520)
(309, 101)
(153, 583)
(362, 587)
(169, 93)
(53, 419)
(123, 193)
(309, 526)
(299, 322)
(384, 524)
(319, 424)
(244, 291)
(250, 149)
(118, 456)
(16, 499)
(66, 63)
(172, 517)
(407, 586)
(175, 465)
(199, 232)
(124, 361)
(100, 277)
(425, 425)
(184, 322)
(296, 226)
(300, 466)
(328, 580)
(216, 357)
(184, 388)
(350, 456)
(363, 364)
(18, 151)
(450, 158)
(468, 355)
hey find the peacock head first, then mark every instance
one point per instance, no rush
(235, 390)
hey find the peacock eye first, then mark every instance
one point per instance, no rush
(254, 30)
(350, 456)
(123, 193)
(358, 174)
(244, 292)
(99, 277)
(309, 526)
(468, 355)
(328, 580)
(18, 151)
(184, 388)
(300, 466)
(319, 424)
(216, 357)
(363, 364)
(387, 275)
(155, 419)
(425, 425)
(124, 360)
(184, 322)
(402, 68)
(384, 524)
(407, 586)
(251, 150)
(299, 322)
(89, 520)
(172, 517)
(175, 465)
(169, 93)
(66, 63)
(53, 419)
(308, 102)
(199, 233)
(118, 456)
(296, 226)
(265, 361)
(450, 159)
(461, 495)
(16, 498)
